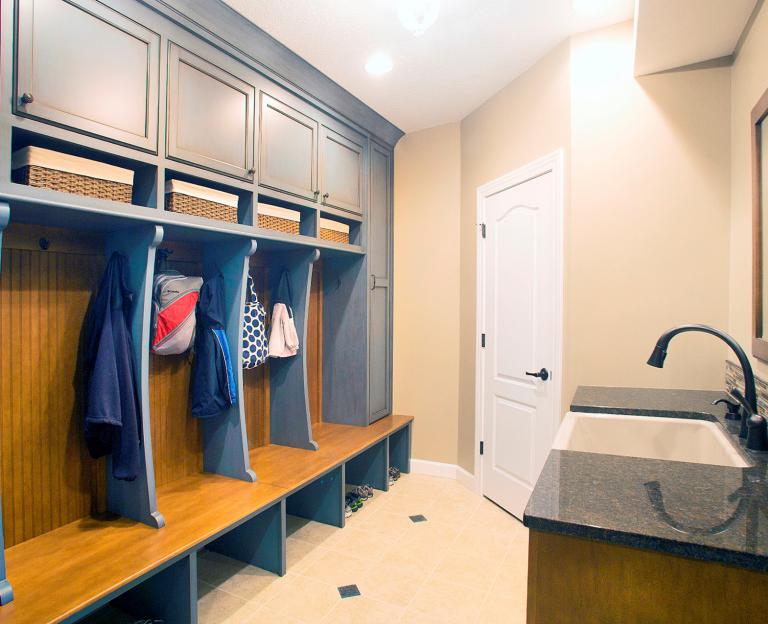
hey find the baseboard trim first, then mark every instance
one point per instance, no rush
(447, 471)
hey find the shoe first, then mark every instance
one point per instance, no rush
(353, 502)
(347, 510)
(394, 474)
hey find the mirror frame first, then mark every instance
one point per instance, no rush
(759, 340)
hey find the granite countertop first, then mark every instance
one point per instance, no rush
(710, 513)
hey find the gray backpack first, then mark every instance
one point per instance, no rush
(174, 300)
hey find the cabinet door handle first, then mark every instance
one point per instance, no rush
(26, 98)
(373, 282)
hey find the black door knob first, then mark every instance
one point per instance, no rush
(543, 374)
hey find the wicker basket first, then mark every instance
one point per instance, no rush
(271, 222)
(334, 235)
(200, 201)
(41, 168)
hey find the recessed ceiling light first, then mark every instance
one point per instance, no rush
(418, 15)
(379, 64)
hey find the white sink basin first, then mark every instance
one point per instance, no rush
(674, 439)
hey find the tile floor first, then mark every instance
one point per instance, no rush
(466, 563)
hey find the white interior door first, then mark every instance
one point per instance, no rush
(520, 317)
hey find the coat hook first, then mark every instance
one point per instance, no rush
(44, 244)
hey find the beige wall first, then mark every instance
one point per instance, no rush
(526, 120)
(646, 226)
(426, 314)
(649, 218)
(749, 80)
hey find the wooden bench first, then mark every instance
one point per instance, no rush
(69, 572)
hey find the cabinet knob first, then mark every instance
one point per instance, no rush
(317, 194)
(326, 196)
(251, 171)
(26, 98)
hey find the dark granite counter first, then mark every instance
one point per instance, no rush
(710, 513)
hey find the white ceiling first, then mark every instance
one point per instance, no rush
(475, 48)
(672, 34)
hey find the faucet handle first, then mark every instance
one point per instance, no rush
(734, 409)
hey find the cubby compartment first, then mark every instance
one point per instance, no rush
(48, 279)
(283, 397)
(345, 340)
(258, 541)
(168, 594)
(73, 168)
(369, 467)
(321, 500)
(195, 196)
(338, 229)
(286, 217)
(184, 445)
(400, 449)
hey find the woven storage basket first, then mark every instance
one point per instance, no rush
(200, 201)
(334, 235)
(42, 168)
(271, 222)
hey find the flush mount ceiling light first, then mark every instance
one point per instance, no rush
(417, 16)
(378, 64)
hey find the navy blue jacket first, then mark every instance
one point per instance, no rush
(112, 412)
(212, 388)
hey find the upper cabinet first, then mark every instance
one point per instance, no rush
(211, 112)
(341, 169)
(83, 65)
(287, 149)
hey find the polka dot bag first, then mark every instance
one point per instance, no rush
(254, 329)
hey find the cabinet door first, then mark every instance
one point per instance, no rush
(210, 112)
(287, 149)
(83, 65)
(380, 268)
(341, 170)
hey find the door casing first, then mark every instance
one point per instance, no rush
(554, 163)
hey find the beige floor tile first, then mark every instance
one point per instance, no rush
(336, 569)
(393, 584)
(479, 543)
(357, 542)
(448, 602)
(300, 554)
(215, 606)
(463, 569)
(252, 584)
(363, 610)
(304, 599)
(385, 523)
(309, 531)
(261, 616)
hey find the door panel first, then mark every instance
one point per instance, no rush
(379, 377)
(99, 74)
(210, 114)
(341, 165)
(379, 212)
(287, 149)
(519, 302)
(380, 268)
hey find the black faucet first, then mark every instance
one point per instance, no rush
(756, 430)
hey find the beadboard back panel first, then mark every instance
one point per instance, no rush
(47, 478)
(177, 441)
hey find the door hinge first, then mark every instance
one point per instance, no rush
(482, 447)
(482, 340)
(482, 230)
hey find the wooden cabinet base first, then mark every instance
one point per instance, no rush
(579, 581)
